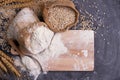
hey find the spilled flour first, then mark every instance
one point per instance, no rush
(55, 49)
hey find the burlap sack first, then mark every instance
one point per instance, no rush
(21, 44)
(62, 3)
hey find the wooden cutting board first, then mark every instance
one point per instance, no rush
(80, 54)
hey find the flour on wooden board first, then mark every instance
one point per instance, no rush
(85, 52)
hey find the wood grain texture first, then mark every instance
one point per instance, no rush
(79, 55)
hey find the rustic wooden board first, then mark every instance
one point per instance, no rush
(80, 54)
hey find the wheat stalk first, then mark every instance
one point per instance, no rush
(10, 1)
(19, 4)
(7, 62)
(10, 66)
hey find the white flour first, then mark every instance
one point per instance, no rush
(55, 49)
(40, 39)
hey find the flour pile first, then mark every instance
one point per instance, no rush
(55, 49)
(39, 39)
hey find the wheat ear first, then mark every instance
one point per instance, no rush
(10, 1)
(10, 66)
(20, 5)
(2, 66)
(5, 2)
(5, 56)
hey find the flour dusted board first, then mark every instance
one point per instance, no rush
(80, 52)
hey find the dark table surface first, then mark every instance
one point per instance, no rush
(105, 18)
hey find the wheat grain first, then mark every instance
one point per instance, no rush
(60, 17)
(2, 3)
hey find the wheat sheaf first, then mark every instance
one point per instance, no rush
(16, 3)
(6, 64)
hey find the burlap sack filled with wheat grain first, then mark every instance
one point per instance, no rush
(60, 15)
